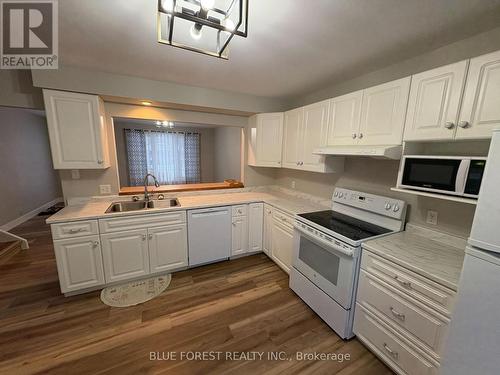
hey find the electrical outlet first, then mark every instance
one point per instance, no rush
(105, 189)
(293, 184)
(432, 217)
(75, 174)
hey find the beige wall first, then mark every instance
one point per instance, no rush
(116, 85)
(27, 177)
(377, 177)
(206, 149)
(16, 90)
(227, 153)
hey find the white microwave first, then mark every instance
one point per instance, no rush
(454, 175)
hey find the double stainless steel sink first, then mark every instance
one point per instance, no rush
(141, 205)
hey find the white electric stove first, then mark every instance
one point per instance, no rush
(327, 252)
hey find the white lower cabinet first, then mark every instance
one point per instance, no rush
(125, 255)
(168, 248)
(246, 232)
(255, 226)
(79, 263)
(239, 235)
(401, 316)
(282, 240)
(268, 228)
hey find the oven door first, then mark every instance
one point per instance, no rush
(441, 175)
(329, 267)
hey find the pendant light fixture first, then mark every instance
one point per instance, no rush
(205, 26)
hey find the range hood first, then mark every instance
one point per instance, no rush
(381, 152)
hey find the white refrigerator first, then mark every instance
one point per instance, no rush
(473, 343)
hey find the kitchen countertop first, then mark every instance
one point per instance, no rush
(94, 209)
(434, 255)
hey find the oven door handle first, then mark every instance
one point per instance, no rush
(328, 246)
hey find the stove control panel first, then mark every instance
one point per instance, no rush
(325, 237)
(386, 206)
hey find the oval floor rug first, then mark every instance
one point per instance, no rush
(135, 292)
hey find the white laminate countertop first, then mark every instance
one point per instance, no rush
(95, 209)
(436, 256)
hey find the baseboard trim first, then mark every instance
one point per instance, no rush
(14, 223)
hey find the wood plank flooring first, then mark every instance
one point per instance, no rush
(237, 306)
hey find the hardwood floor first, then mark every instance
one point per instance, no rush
(236, 306)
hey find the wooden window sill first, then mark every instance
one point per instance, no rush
(137, 190)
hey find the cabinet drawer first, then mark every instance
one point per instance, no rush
(390, 346)
(239, 210)
(74, 229)
(423, 325)
(143, 221)
(437, 296)
(283, 218)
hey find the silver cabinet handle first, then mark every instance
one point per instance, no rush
(449, 125)
(239, 211)
(150, 236)
(95, 243)
(406, 284)
(76, 230)
(464, 124)
(135, 198)
(354, 135)
(397, 314)
(360, 135)
(393, 354)
(100, 161)
(234, 223)
(144, 237)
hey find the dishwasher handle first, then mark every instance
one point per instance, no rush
(210, 212)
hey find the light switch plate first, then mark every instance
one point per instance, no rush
(105, 189)
(432, 217)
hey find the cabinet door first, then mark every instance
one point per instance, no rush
(239, 235)
(269, 139)
(434, 103)
(345, 114)
(168, 248)
(481, 104)
(383, 113)
(125, 255)
(268, 228)
(282, 247)
(255, 226)
(291, 137)
(79, 263)
(314, 135)
(76, 130)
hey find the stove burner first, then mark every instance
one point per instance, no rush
(344, 225)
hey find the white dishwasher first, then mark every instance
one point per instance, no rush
(209, 235)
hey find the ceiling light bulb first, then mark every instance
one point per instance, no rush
(167, 5)
(207, 4)
(145, 102)
(196, 31)
(229, 24)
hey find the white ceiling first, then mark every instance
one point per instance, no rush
(293, 48)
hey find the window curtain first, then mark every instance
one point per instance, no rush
(173, 157)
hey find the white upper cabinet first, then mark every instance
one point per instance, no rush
(77, 131)
(314, 134)
(481, 104)
(291, 137)
(434, 103)
(345, 114)
(306, 129)
(383, 113)
(266, 138)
